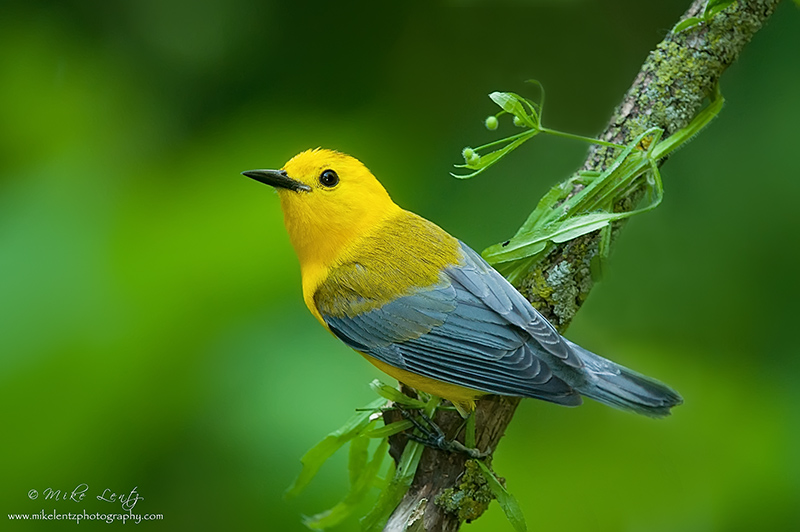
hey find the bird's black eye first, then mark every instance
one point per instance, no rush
(329, 178)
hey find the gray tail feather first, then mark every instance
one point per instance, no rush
(620, 387)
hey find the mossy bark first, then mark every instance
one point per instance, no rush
(669, 90)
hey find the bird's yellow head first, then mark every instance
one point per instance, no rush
(328, 199)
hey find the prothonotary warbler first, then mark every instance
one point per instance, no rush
(425, 308)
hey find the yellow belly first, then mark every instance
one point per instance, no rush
(462, 398)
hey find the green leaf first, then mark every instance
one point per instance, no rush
(393, 394)
(567, 212)
(382, 483)
(569, 229)
(358, 456)
(389, 430)
(507, 501)
(318, 454)
(598, 262)
(515, 105)
(715, 6)
(491, 158)
(516, 270)
(544, 209)
(359, 490)
(581, 225)
(712, 8)
(683, 135)
(469, 433)
(507, 252)
(686, 24)
(391, 496)
(527, 113)
(558, 220)
(393, 493)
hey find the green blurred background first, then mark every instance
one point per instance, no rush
(152, 332)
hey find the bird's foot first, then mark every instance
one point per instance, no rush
(432, 436)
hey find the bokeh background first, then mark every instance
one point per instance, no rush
(152, 332)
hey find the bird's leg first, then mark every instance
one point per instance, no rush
(434, 437)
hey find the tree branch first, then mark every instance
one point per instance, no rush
(669, 90)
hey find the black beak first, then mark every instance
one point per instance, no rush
(277, 179)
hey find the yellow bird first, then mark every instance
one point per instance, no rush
(425, 308)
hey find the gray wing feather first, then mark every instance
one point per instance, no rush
(518, 310)
(472, 329)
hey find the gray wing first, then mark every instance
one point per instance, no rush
(472, 329)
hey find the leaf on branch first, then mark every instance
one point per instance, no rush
(686, 24)
(515, 104)
(527, 113)
(483, 162)
(393, 394)
(507, 501)
(389, 430)
(362, 477)
(319, 454)
(560, 217)
(391, 496)
(712, 8)
(715, 6)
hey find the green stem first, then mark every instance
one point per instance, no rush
(580, 137)
(507, 140)
(469, 435)
(431, 405)
(701, 120)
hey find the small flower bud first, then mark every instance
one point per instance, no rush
(518, 122)
(475, 160)
(491, 123)
(468, 153)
